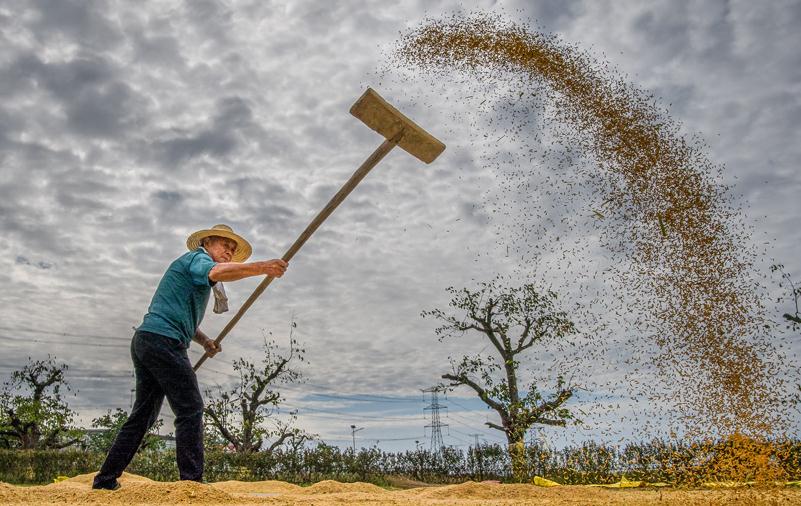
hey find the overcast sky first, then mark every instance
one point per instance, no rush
(124, 127)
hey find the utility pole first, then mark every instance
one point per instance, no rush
(435, 425)
(353, 431)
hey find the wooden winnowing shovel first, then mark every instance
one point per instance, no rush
(398, 130)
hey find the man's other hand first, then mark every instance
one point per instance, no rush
(212, 348)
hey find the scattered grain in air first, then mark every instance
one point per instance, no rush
(677, 270)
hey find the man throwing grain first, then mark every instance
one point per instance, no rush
(159, 348)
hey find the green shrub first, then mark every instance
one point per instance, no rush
(652, 461)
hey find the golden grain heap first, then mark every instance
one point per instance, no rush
(140, 490)
(684, 270)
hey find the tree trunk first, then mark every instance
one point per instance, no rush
(517, 455)
(29, 441)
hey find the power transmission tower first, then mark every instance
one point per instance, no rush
(479, 458)
(435, 425)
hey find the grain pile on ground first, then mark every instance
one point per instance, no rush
(251, 487)
(85, 480)
(335, 487)
(474, 490)
(9, 493)
(137, 490)
(674, 237)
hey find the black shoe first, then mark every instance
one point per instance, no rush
(107, 486)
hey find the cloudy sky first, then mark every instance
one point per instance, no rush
(124, 127)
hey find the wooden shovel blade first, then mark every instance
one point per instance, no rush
(379, 115)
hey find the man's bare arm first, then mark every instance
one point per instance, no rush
(200, 337)
(208, 344)
(234, 271)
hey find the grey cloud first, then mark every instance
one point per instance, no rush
(10, 125)
(367, 22)
(473, 212)
(217, 139)
(86, 182)
(552, 14)
(264, 204)
(323, 192)
(185, 147)
(169, 203)
(212, 20)
(68, 79)
(675, 96)
(82, 21)
(41, 264)
(161, 49)
(254, 188)
(97, 103)
(28, 227)
(268, 216)
(663, 30)
(104, 112)
(168, 196)
(233, 112)
(78, 202)
(19, 76)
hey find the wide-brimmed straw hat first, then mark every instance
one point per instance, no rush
(243, 249)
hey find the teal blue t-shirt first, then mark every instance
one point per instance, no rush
(181, 298)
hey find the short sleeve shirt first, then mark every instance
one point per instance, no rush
(180, 301)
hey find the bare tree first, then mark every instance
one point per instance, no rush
(513, 320)
(794, 319)
(110, 425)
(795, 294)
(239, 415)
(33, 414)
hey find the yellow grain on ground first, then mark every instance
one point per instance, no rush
(138, 490)
(335, 487)
(267, 487)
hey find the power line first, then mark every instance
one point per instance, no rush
(377, 440)
(462, 405)
(458, 439)
(335, 415)
(302, 386)
(350, 415)
(107, 376)
(68, 334)
(486, 434)
(362, 399)
(67, 343)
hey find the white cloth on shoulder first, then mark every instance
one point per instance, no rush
(220, 299)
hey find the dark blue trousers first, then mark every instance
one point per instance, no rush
(162, 369)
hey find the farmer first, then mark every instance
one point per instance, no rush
(159, 348)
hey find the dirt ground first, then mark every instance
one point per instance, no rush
(139, 490)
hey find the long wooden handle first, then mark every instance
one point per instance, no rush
(337, 199)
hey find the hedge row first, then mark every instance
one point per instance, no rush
(307, 465)
(655, 461)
